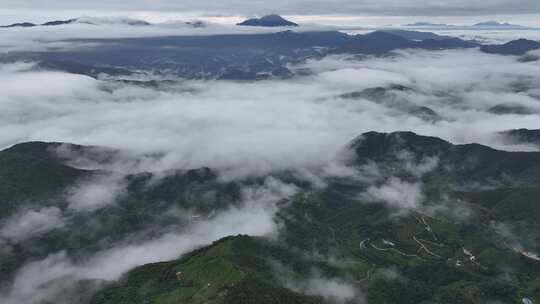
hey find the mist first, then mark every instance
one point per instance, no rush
(250, 128)
(47, 279)
(30, 223)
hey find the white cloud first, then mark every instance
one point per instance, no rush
(417, 168)
(397, 193)
(252, 128)
(45, 279)
(95, 194)
(30, 223)
(333, 289)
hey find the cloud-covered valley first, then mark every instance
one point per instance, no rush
(262, 126)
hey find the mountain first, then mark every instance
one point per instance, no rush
(196, 24)
(517, 109)
(112, 21)
(39, 178)
(49, 23)
(28, 172)
(84, 20)
(415, 35)
(233, 56)
(232, 270)
(426, 24)
(515, 47)
(522, 136)
(480, 25)
(23, 24)
(496, 24)
(381, 42)
(268, 21)
(381, 147)
(59, 22)
(391, 97)
(440, 239)
(261, 56)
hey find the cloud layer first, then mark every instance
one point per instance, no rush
(30, 223)
(255, 127)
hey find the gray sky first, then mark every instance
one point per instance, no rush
(297, 7)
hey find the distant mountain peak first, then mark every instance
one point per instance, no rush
(426, 24)
(59, 22)
(21, 24)
(268, 21)
(83, 20)
(111, 20)
(493, 23)
(484, 24)
(514, 47)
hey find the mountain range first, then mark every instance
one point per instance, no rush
(82, 20)
(265, 21)
(515, 47)
(261, 56)
(447, 246)
(480, 25)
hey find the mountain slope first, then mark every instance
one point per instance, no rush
(515, 47)
(59, 207)
(463, 163)
(421, 220)
(242, 57)
(232, 270)
(32, 171)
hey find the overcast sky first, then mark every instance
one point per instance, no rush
(379, 7)
(10, 9)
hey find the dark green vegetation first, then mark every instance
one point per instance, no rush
(28, 172)
(232, 270)
(34, 176)
(469, 236)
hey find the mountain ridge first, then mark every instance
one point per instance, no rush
(351, 224)
(268, 21)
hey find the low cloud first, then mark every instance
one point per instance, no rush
(246, 128)
(417, 168)
(95, 193)
(31, 223)
(510, 238)
(44, 280)
(335, 290)
(396, 193)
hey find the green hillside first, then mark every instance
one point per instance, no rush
(470, 236)
(232, 270)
